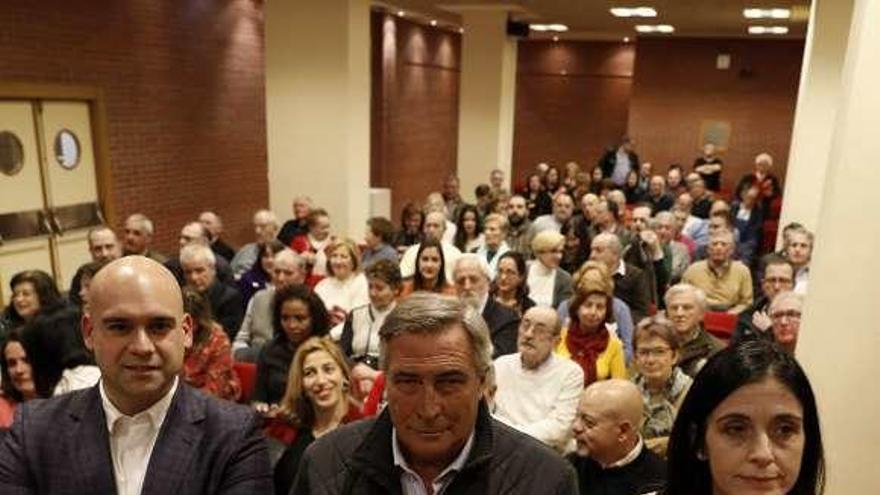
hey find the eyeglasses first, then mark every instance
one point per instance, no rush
(777, 280)
(655, 352)
(792, 315)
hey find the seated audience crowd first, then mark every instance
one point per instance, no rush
(607, 313)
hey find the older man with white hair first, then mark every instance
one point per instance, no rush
(471, 276)
(265, 228)
(433, 228)
(196, 233)
(138, 236)
(199, 270)
(537, 391)
(685, 307)
(726, 282)
(288, 268)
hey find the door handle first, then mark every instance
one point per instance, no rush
(44, 221)
(56, 225)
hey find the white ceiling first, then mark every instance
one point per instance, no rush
(591, 19)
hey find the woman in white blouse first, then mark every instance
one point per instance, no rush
(548, 284)
(346, 287)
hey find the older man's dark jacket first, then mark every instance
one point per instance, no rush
(503, 324)
(357, 460)
(226, 306)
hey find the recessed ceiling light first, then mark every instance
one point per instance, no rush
(400, 13)
(558, 28)
(767, 13)
(655, 28)
(461, 30)
(556, 38)
(768, 30)
(633, 12)
(433, 22)
(626, 39)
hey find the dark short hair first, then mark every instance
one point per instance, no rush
(749, 362)
(522, 292)
(317, 310)
(482, 190)
(270, 248)
(314, 215)
(411, 209)
(385, 270)
(382, 228)
(92, 268)
(774, 259)
(44, 286)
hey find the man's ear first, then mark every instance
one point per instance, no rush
(87, 329)
(186, 324)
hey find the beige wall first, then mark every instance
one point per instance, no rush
(818, 102)
(488, 83)
(840, 335)
(317, 107)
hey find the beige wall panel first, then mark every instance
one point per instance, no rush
(21, 192)
(76, 185)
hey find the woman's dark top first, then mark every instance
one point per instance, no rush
(273, 365)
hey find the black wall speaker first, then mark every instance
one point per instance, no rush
(518, 29)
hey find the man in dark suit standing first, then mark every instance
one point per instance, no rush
(472, 276)
(140, 430)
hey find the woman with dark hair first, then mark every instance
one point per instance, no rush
(297, 314)
(33, 292)
(509, 287)
(411, 219)
(260, 274)
(17, 381)
(469, 229)
(207, 363)
(552, 181)
(634, 194)
(748, 425)
(586, 339)
(430, 272)
(317, 401)
(573, 255)
(58, 356)
(538, 201)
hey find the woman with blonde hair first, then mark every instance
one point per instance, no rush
(317, 401)
(586, 339)
(549, 284)
(346, 286)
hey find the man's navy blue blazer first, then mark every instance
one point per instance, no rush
(61, 446)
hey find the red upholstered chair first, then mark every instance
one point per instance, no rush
(247, 375)
(720, 324)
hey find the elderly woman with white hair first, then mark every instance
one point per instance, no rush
(494, 244)
(265, 228)
(549, 284)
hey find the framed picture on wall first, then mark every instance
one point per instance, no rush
(716, 132)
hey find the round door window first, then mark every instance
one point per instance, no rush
(11, 154)
(67, 149)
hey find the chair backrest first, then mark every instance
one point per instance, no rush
(247, 375)
(720, 324)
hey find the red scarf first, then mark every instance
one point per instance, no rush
(585, 348)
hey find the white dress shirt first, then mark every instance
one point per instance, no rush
(411, 482)
(541, 281)
(132, 439)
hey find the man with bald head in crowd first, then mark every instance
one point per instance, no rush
(104, 247)
(196, 233)
(141, 430)
(657, 198)
(214, 227)
(433, 228)
(288, 268)
(138, 236)
(611, 457)
(537, 391)
(302, 206)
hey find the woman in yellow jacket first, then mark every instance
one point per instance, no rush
(587, 340)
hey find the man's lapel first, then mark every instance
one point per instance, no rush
(87, 436)
(177, 443)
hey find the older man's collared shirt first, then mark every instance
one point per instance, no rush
(725, 288)
(412, 483)
(132, 439)
(628, 458)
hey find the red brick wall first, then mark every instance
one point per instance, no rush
(572, 100)
(416, 72)
(184, 89)
(676, 86)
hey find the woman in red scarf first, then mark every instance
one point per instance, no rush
(587, 339)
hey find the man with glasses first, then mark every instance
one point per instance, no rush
(538, 391)
(778, 277)
(785, 313)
